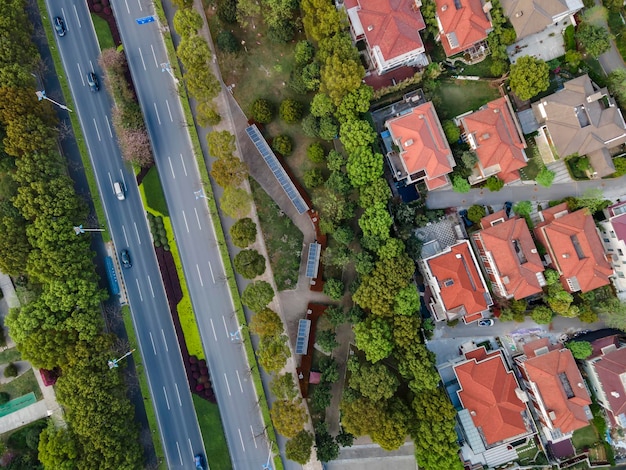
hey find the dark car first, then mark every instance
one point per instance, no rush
(507, 207)
(93, 81)
(125, 259)
(59, 26)
(199, 461)
(466, 221)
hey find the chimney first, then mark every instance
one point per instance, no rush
(370, 27)
(565, 255)
(444, 8)
(615, 394)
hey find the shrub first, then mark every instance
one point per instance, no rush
(227, 10)
(313, 178)
(327, 340)
(283, 145)
(4, 397)
(475, 213)
(334, 288)
(460, 184)
(243, 232)
(291, 111)
(10, 370)
(494, 184)
(453, 133)
(262, 111)
(249, 263)
(315, 152)
(227, 42)
(545, 177)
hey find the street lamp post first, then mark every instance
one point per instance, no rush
(266, 465)
(113, 362)
(41, 95)
(79, 229)
(165, 67)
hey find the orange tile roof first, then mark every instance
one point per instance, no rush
(392, 25)
(464, 287)
(498, 141)
(504, 240)
(423, 143)
(544, 371)
(488, 393)
(574, 247)
(610, 369)
(469, 23)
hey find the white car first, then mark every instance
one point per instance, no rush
(486, 322)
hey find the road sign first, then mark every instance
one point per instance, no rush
(145, 19)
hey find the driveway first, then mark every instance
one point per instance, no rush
(611, 59)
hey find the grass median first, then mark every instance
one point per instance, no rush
(103, 32)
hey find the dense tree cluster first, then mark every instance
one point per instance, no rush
(228, 169)
(62, 326)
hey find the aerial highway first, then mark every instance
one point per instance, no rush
(129, 230)
(195, 235)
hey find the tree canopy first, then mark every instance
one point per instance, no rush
(529, 77)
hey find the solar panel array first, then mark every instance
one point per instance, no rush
(302, 341)
(278, 170)
(313, 260)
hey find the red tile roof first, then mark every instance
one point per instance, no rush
(574, 247)
(514, 252)
(611, 367)
(469, 24)
(423, 144)
(498, 139)
(459, 280)
(548, 371)
(488, 393)
(392, 25)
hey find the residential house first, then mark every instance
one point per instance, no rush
(606, 374)
(508, 253)
(494, 134)
(494, 406)
(456, 287)
(573, 248)
(464, 26)
(390, 29)
(423, 153)
(581, 119)
(556, 389)
(613, 235)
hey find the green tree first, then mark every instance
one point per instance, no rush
(452, 131)
(304, 52)
(322, 105)
(374, 338)
(335, 160)
(460, 184)
(523, 208)
(355, 103)
(321, 19)
(558, 299)
(616, 83)
(298, 449)
(313, 178)
(375, 222)
(262, 111)
(315, 152)
(392, 248)
(310, 126)
(221, 144)
(375, 194)
(573, 58)
(229, 171)
(207, 114)
(373, 381)
(328, 128)
(327, 340)
(257, 295)
(339, 77)
(552, 276)
(494, 183)
(592, 199)
(475, 213)
(288, 417)
(283, 145)
(57, 448)
(290, 111)
(273, 353)
(529, 77)
(364, 166)
(580, 349)
(343, 235)
(327, 447)
(329, 370)
(235, 202)
(243, 232)
(542, 315)
(594, 39)
(356, 134)
(227, 42)
(334, 288)
(10, 370)
(320, 398)
(407, 301)
(249, 263)
(266, 323)
(187, 21)
(283, 387)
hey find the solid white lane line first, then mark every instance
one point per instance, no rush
(157, 113)
(253, 437)
(227, 386)
(167, 402)
(185, 218)
(139, 3)
(139, 289)
(77, 18)
(172, 168)
(164, 342)
(111, 181)
(197, 218)
(109, 126)
(183, 162)
(225, 327)
(97, 131)
(239, 379)
(80, 73)
(199, 275)
(241, 439)
(213, 326)
(142, 61)
(180, 403)
(152, 340)
(91, 66)
(122, 176)
(156, 62)
(137, 233)
(211, 269)
(127, 9)
(180, 456)
(169, 110)
(67, 26)
(150, 283)
(125, 237)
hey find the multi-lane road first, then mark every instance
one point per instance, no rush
(129, 230)
(193, 229)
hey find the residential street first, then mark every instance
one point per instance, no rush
(610, 60)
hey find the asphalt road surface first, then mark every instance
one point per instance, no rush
(202, 264)
(129, 230)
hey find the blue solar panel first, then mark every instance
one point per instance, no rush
(313, 260)
(276, 168)
(302, 342)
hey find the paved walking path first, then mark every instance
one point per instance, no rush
(611, 59)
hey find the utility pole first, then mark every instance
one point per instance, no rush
(41, 95)
(165, 67)
(79, 229)
(113, 362)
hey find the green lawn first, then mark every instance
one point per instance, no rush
(282, 238)
(217, 456)
(22, 385)
(481, 69)
(585, 437)
(459, 96)
(155, 198)
(10, 355)
(103, 32)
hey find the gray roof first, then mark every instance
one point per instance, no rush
(532, 16)
(581, 118)
(601, 162)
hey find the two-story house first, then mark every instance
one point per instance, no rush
(613, 235)
(464, 26)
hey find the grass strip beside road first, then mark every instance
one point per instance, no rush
(145, 390)
(78, 132)
(215, 442)
(103, 32)
(221, 240)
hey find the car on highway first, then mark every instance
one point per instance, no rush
(92, 80)
(199, 461)
(118, 188)
(125, 259)
(59, 26)
(486, 322)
